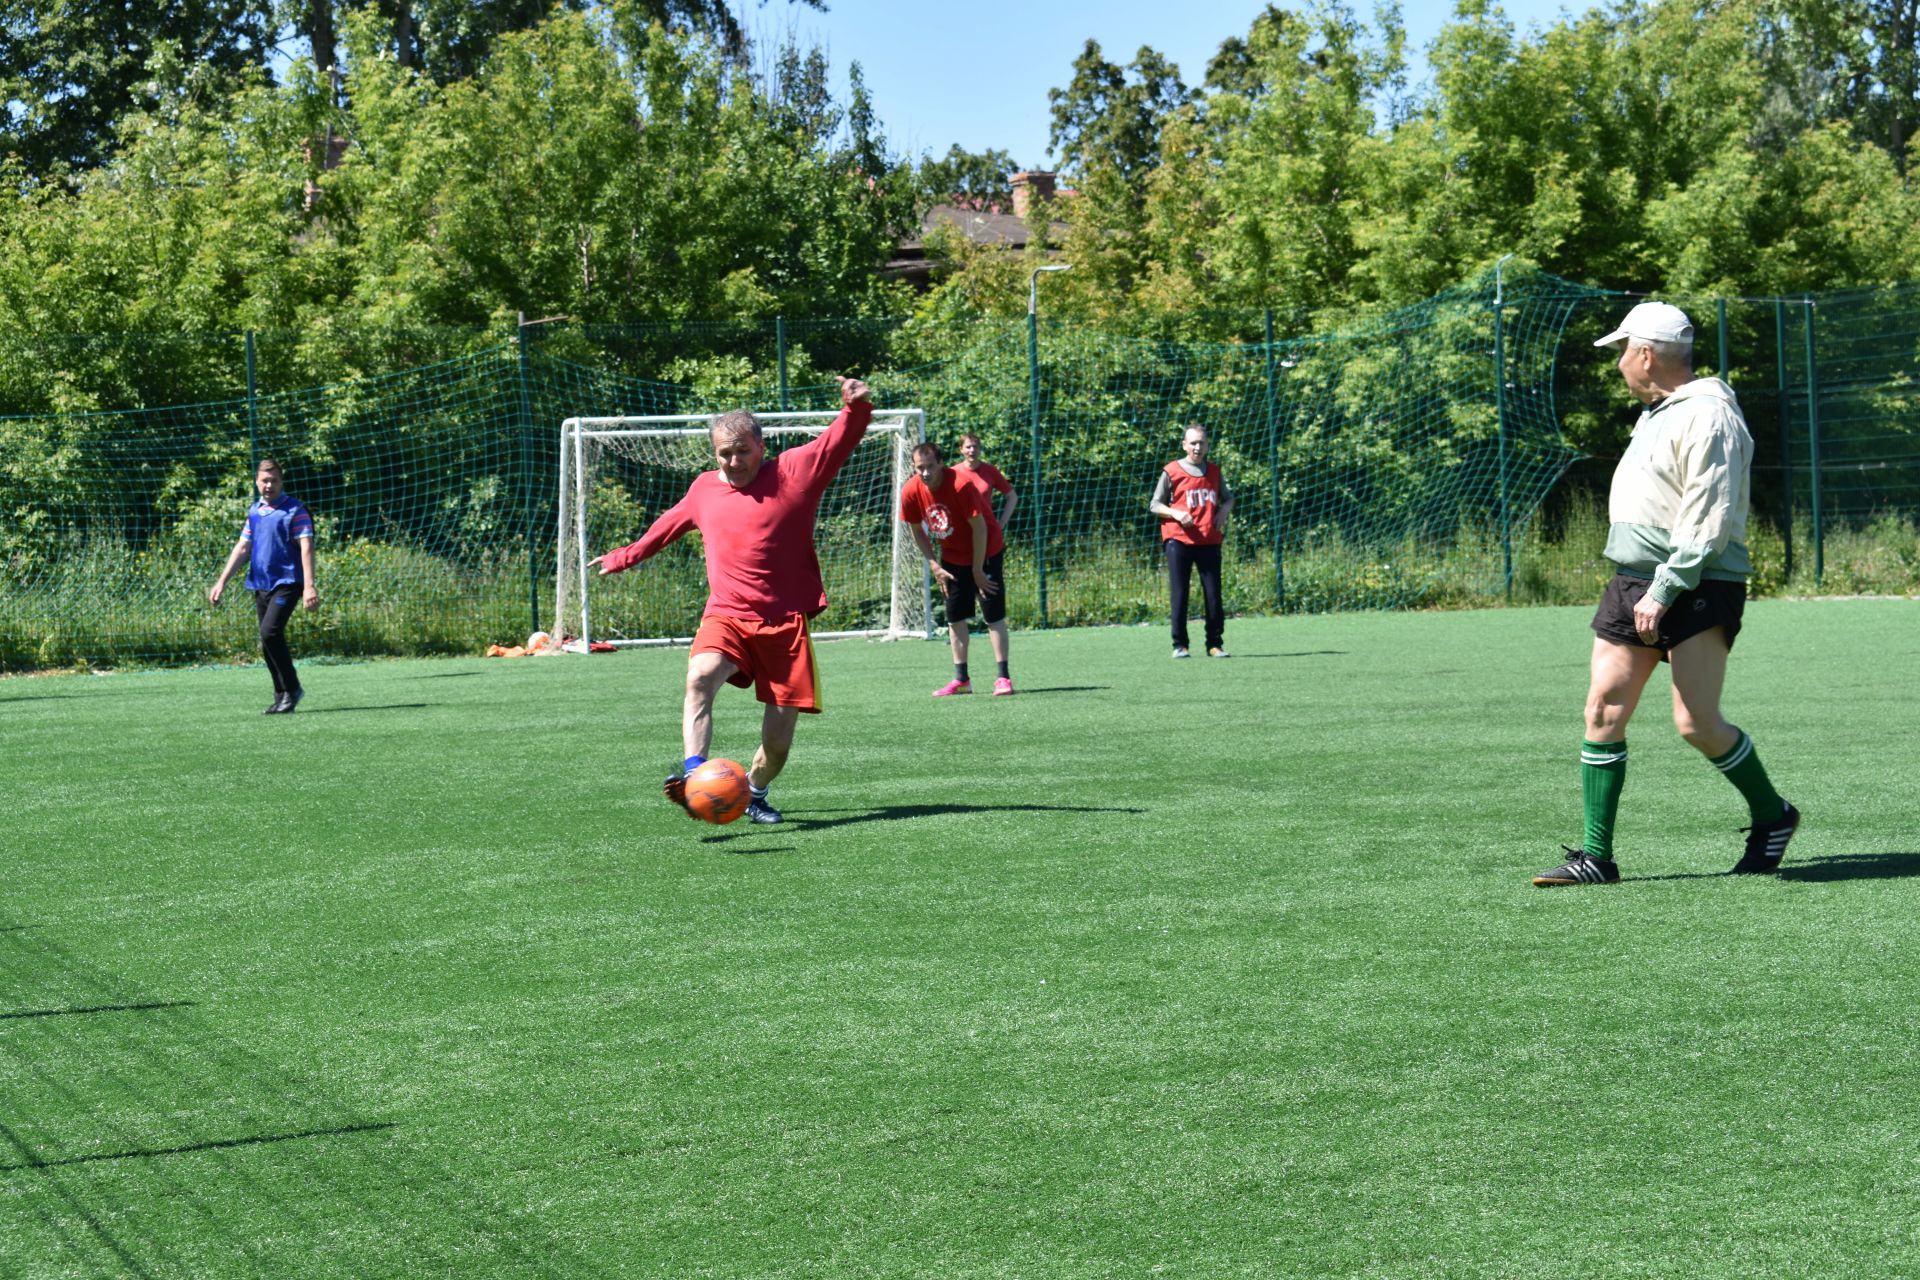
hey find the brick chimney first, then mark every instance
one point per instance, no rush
(336, 151)
(1030, 185)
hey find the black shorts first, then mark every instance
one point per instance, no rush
(961, 593)
(1711, 604)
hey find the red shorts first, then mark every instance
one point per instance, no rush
(775, 658)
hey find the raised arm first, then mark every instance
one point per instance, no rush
(820, 459)
(674, 523)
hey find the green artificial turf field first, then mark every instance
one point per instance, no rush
(1187, 969)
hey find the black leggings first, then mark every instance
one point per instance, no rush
(1182, 559)
(275, 607)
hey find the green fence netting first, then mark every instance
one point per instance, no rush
(1415, 459)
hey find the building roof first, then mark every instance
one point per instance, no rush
(982, 226)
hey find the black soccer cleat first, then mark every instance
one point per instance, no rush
(293, 700)
(758, 810)
(1767, 844)
(1581, 868)
(282, 703)
(675, 789)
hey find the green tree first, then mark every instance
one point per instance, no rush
(70, 70)
(450, 39)
(977, 177)
(1109, 117)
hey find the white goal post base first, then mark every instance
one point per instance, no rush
(615, 471)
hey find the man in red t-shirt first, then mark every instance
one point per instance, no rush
(970, 461)
(1192, 500)
(756, 517)
(954, 509)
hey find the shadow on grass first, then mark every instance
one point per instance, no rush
(1304, 653)
(323, 1174)
(796, 823)
(1678, 875)
(388, 706)
(1062, 688)
(147, 1153)
(1860, 866)
(96, 1008)
(447, 675)
(1855, 866)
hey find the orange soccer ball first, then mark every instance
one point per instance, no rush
(717, 792)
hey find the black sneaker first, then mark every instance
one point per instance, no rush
(1581, 868)
(282, 703)
(293, 700)
(1767, 844)
(758, 810)
(675, 789)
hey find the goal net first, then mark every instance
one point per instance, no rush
(618, 474)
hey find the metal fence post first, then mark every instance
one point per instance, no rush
(526, 480)
(1720, 310)
(1039, 489)
(1273, 461)
(1813, 450)
(780, 342)
(1786, 430)
(1500, 409)
(253, 408)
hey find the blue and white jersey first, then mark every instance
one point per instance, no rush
(273, 529)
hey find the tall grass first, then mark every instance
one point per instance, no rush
(107, 607)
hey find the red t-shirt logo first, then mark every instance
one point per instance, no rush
(939, 522)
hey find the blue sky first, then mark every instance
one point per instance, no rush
(977, 73)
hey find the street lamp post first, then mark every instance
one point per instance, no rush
(1033, 399)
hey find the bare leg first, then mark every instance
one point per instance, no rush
(1699, 674)
(957, 635)
(997, 633)
(776, 739)
(1618, 674)
(706, 672)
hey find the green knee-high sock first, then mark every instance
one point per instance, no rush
(1603, 773)
(1743, 769)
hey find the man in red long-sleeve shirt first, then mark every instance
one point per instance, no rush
(756, 518)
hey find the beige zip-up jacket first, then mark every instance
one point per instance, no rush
(1680, 497)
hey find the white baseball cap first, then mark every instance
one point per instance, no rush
(1652, 322)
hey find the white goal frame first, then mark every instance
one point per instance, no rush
(908, 426)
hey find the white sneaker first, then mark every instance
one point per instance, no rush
(1179, 652)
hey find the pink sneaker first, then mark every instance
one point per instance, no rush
(952, 687)
(1002, 686)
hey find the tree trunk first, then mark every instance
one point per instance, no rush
(403, 33)
(320, 34)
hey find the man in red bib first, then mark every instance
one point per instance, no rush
(1192, 500)
(972, 462)
(756, 518)
(954, 509)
